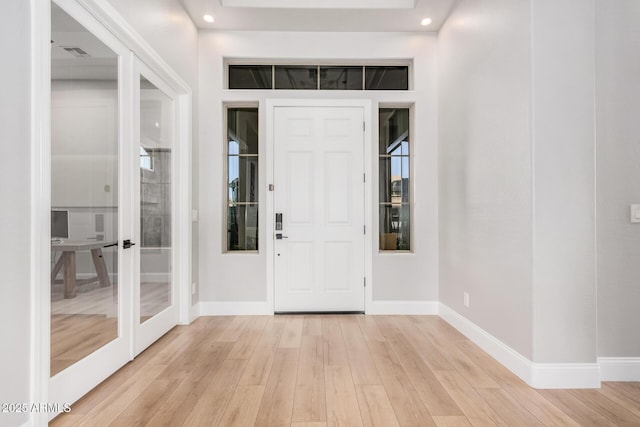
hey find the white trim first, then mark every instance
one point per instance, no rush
(194, 312)
(234, 308)
(40, 205)
(565, 375)
(619, 368)
(403, 307)
(537, 375)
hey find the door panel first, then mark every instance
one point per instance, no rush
(90, 335)
(319, 189)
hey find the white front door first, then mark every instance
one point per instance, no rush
(319, 197)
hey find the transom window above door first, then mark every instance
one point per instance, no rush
(318, 77)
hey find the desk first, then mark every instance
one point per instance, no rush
(68, 262)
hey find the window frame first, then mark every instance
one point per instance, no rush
(411, 189)
(225, 179)
(364, 63)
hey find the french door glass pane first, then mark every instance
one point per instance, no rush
(84, 192)
(156, 141)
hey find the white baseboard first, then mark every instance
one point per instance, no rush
(619, 368)
(403, 307)
(234, 308)
(537, 375)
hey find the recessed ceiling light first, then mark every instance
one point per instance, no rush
(425, 22)
(208, 18)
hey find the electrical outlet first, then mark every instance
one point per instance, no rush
(466, 299)
(193, 288)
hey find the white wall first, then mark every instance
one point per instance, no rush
(242, 277)
(618, 176)
(485, 167)
(167, 27)
(564, 170)
(15, 172)
(516, 111)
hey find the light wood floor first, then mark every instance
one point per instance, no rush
(318, 371)
(81, 325)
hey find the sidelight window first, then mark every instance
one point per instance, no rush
(242, 179)
(394, 175)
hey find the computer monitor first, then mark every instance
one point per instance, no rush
(59, 224)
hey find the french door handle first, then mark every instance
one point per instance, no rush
(279, 236)
(126, 244)
(112, 244)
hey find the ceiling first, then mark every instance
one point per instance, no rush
(320, 15)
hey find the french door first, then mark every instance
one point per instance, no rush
(319, 208)
(113, 135)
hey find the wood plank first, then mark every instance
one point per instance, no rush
(145, 405)
(545, 411)
(448, 350)
(335, 352)
(452, 421)
(259, 365)
(242, 409)
(342, 403)
(210, 407)
(491, 366)
(375, 407)
(510, 410)
(362, 367)
(246, 344)
(312, 326)
(292, 332)
(473, 406)
(277, 402)
(582, 414)
(370, 329)
(114, 404)
(407, 405)
(606, 407)
(309, 424)
(626, 395)
(430, 353)
(431, 391)
(309, 403)
(233, 329)
(187, 393)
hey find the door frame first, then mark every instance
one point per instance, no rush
(99, 17)
(366, 105)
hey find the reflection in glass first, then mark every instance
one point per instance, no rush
(394, 227)
(341, 78)
(296, 77)
(84, 185)
(394, 178)
(242, 131)
(242, 227)
(387, 78)
(250, 76)
(156, 142)
(243, 179)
